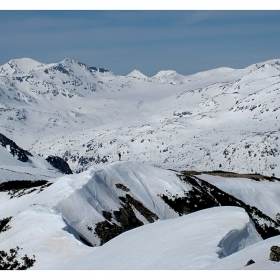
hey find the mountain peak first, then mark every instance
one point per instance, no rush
(137, 74)
(21, 65)
(164, 73)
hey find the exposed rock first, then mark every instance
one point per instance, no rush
(278, 218)
(11, 261)
(250, 262)
(122, 187)
(59, 164)
(107, 215)
(149, 215)
(125, 216)
(19, 188)
(15, 150)
(274, 254)
(4, 224)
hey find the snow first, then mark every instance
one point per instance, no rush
(36, 168)
(137, 74)
(186, 246)
(47, 225)
(252, 192)
(217, 119)
(220, 119)
(258, 252)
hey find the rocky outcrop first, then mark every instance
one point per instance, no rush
(250, 262)
(14, 149)
(274, 254)
(125, 217)
(59, 164)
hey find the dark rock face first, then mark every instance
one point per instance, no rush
(4, 224)
(102, 70)
(59, 164)
(122, 187)
(15, 150)
(125, 216)
(275, 254)
(18, 188)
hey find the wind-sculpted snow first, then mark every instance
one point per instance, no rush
(142, 216)
(221, 119)
(193, 243)
(108, 209)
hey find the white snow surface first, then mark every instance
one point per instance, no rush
(263, 194)
(45, 224)
(37, 168)
(223, 118)
(189, 242)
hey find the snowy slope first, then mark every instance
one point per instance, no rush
(252, 192)
(224, 118)
(189, 242)
(18, 164)
(127, 208)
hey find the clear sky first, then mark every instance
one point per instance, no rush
(187, 41)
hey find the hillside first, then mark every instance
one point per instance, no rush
(161, 215)
(221, 119)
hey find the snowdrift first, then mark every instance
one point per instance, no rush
(126, 208)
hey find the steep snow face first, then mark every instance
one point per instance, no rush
(55, 222)
(221, 119)
(252, 192)
(109, 189)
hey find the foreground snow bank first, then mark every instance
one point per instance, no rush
(188, 242)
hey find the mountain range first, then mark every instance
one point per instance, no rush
(197, 186)
(221, 119)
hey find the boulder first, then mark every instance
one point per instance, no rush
(274, 254)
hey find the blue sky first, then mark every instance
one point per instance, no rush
(187, 41)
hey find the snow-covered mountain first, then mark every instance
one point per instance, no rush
(19, 164)
(172, 202)
(221, 119)
(144, 217)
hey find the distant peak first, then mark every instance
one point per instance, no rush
(68, 60)
(137, 74)
(163, 73)
(22, 65)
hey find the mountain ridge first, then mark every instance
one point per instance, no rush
(205, 121)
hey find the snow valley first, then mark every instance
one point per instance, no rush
(197, 186)
(224, 119)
